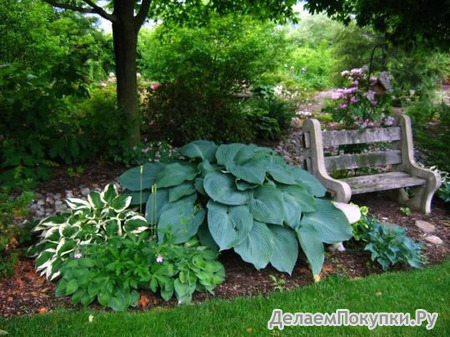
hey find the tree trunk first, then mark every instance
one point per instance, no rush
(125, 45)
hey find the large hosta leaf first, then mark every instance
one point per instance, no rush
(307, 180)
(292, 210)
(312, 246)
(279, 171)
(285, 248)
(175, 174)
(140, 177)
(267, 205)
(181, 219)
(206, 238)
(229, 225)
(301, 195)
(199, 149)
(257, 248)
(330, 222)
(220, 187)
(252, 171)
(232, 154)
(154, 205)
(138, 197)
(177, 192)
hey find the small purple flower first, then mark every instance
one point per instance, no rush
(159, 259)
(336, 96)
(354, 99)
(77, 256)
(344, 106)
(389, 121)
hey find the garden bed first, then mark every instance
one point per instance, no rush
(27, 293)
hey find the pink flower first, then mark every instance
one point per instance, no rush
(354, 99)
(145, 150)
(155, 86)
(159, 259)
(336, 95)
(77, 256)
(343, 106)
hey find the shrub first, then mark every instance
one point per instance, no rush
(387, 244)
(13, 213)
(202, 71)
(239, 197)
(104, 215)
(146, 152)
(358, 103)
(112, 272)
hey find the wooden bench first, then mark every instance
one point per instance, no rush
(401, 169)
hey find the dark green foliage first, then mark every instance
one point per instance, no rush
(388, 244)
(13, 213)
(202, 72)
(239, 197)
(113, 272)
(269, 115)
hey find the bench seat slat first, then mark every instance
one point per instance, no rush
(360, 160)
(344, 137)
(382, 182)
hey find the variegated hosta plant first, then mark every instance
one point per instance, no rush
(239, 197)
(101, 217)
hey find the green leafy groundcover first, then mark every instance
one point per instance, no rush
(239, 197)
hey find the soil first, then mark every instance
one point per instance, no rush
(26, 293)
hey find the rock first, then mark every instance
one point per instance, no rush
(85, 191)
(69, 194)
(351, 211)
(58, 204)
(57, 196)
(49, 200)
(337, 246)
(435, 240)
(425, 226)
(40, 202)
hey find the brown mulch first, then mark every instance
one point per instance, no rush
(26, 293)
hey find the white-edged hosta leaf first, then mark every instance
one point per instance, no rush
(109, 193)
(95, 200)
(140, 177)
(267, 205)
(306, 179)
(257, 248)
(202, 149)
(221, 188)
(285, 248)
(228, 225)
(331, 224)
(312, 246)
(181, 221)
(175, 174)
(152, 209)
(120, 203)
(136, 224)
(177, 192)
(78, 204)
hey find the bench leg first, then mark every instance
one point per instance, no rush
(421, 201)
(400, 195)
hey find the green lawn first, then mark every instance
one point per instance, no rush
(393, 292)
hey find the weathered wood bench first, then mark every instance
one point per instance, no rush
(401, 169)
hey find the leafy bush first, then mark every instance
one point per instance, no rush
(104, 215)
(13, 213)
(387, 244)
(112, 272)
(146, 152)
(202, 71)
(239, 197)
(268, 114)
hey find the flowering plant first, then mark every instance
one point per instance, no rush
(359, 103)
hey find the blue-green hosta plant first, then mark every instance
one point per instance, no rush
(103, 215)
(239, 197)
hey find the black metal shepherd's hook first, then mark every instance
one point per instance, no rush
(379, 45)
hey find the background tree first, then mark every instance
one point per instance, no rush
(128, 16)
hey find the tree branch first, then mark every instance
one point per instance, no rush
(71, 7)
(139, 19)
(100, 11)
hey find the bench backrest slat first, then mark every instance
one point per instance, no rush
(361, 160)
(344, 137)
